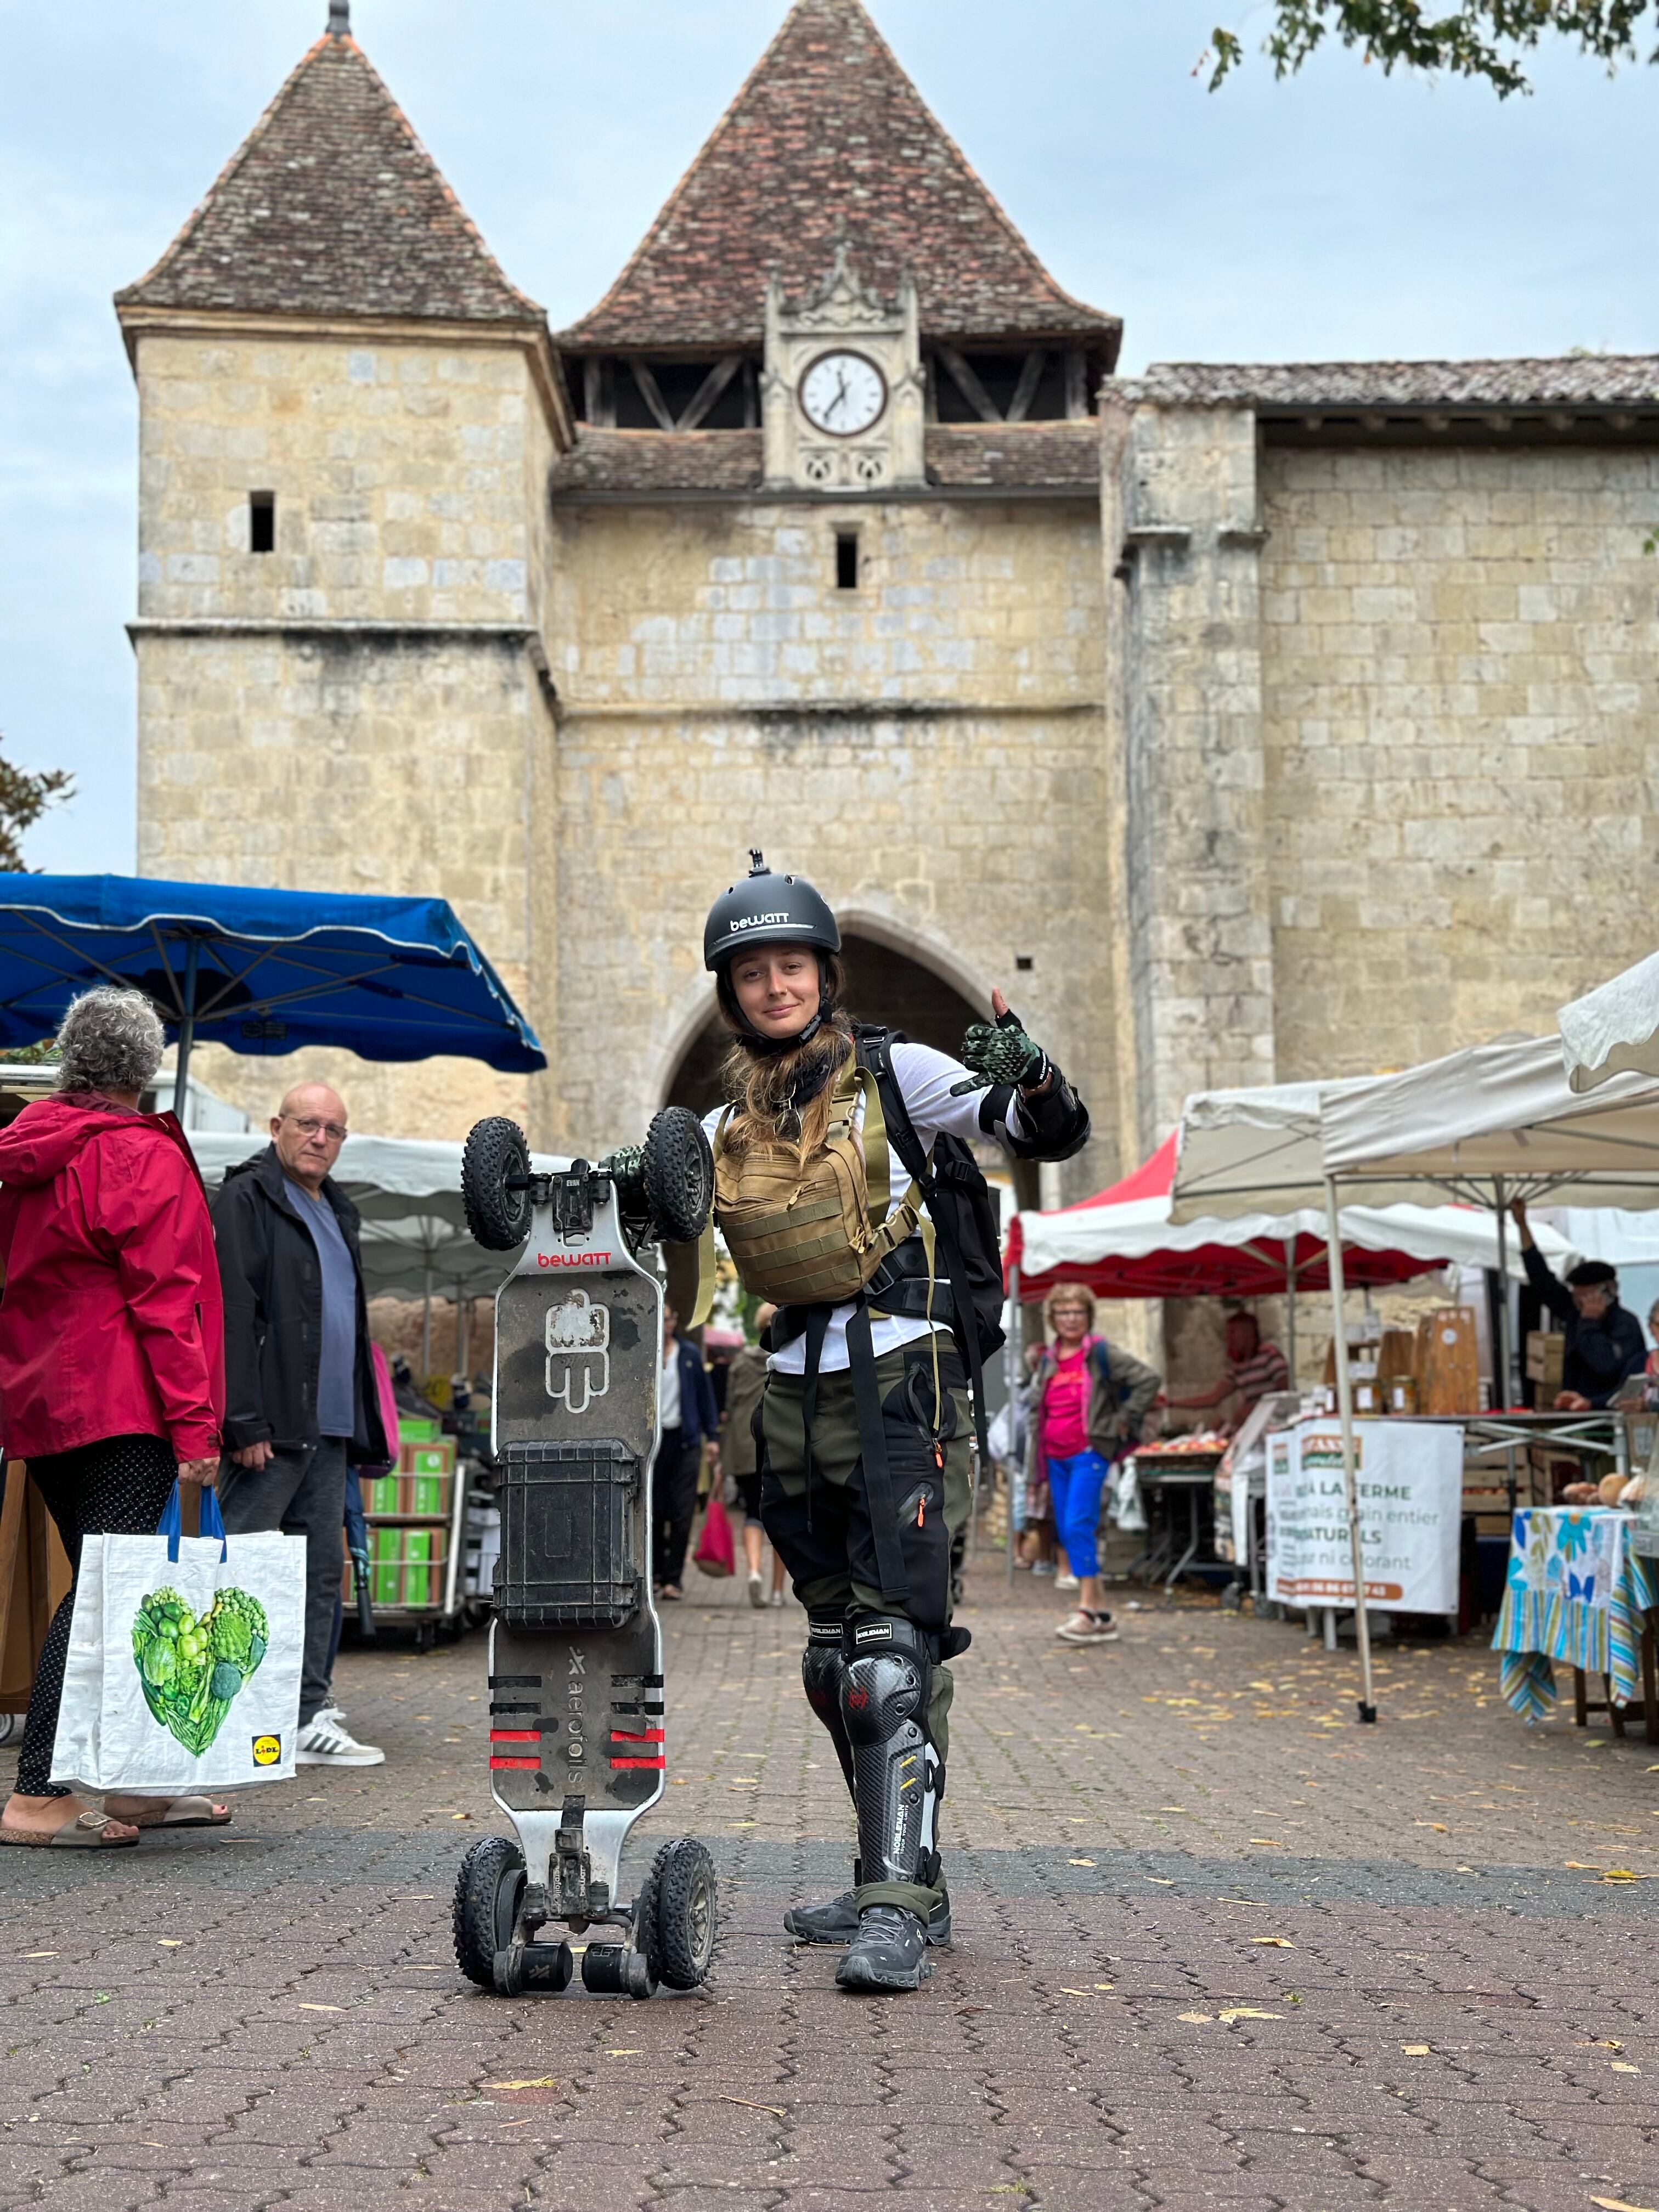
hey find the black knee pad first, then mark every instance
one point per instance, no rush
(822, 1666)
(898, 1776)
(888, 1676)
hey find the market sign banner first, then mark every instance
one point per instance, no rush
(1410, 1477)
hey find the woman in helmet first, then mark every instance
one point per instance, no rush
(863, 1429)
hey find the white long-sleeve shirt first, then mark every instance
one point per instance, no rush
(924, 1078)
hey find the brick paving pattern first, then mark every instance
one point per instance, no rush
(1216, 1946)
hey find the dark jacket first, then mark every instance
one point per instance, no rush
(699, 1417)
(273, 1288)
(1600, 1354)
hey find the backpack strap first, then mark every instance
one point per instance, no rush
(875, 1053)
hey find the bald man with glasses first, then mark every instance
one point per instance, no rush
(301, 1402)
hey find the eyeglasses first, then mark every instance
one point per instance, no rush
(309, 1126)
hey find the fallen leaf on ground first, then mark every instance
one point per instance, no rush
(1439, 1826)
(1079, 1862)
(1279, 1942)
(1622, 1873)
(1620, 2204)
(751, 2106)
(1600, 2043)
(461, 1816)
(1196, 2018)
(1248, 2012)
(1581, 1866)
(39, 1954)
(1415, 2050)
(169, 1942)
(1105, 1985)
(541, 2081)
(321, 2007)
(1163, 1880)
(1620, 2066)
(631, 2050)
(1276, 1843)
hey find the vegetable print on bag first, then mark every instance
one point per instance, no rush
(182, 1673)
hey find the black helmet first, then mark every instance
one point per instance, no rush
(767, 908)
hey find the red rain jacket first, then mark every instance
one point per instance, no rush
(112, 1323)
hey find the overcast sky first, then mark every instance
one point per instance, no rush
(1342, 215)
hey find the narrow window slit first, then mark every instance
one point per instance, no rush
(262, 521)
(847, 560)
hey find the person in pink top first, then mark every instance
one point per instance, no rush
(1089, 1401)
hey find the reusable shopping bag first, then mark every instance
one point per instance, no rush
(716, 1553)
(183, 1674)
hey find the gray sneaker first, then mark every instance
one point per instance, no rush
(889, 1952)
(323, 1742)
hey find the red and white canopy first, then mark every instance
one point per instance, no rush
(1123, 1244)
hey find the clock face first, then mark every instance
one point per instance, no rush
(843, 393)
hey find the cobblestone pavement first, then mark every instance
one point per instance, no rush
(1216, 1946)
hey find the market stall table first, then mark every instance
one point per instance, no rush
(1171, 1470)
(1579, 1593)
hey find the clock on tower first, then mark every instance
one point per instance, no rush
(842, 392)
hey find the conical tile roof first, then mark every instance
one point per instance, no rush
(830, 140)
(332, 206)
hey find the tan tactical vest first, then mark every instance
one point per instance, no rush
(813, 1232)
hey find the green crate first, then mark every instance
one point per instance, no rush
(428, 1459)
(418, 1429)
(417, 1585)
(381, 1494)
(387, 1581)
(428, 1493)
(386, 1546)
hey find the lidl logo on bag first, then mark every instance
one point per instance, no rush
(267, 1751)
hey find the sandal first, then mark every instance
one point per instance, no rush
(174, 1813)
(1086, 1626)
(671, 1592)
(84, 1833)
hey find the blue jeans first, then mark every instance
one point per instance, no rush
(1075, 1484)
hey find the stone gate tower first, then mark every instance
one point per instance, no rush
(794, 540)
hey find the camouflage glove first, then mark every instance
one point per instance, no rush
(625, 1164)
(1000, 1052)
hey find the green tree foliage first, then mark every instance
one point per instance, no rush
(24, 798)
(1487, 38)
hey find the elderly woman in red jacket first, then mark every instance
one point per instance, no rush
(112, 1350)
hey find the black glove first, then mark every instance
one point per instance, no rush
(1000, 1052)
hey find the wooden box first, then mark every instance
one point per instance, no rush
(1448, 1362)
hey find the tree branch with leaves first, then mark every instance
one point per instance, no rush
(25, 796)
(1489, 40)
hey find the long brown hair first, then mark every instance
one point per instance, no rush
(785, 1097)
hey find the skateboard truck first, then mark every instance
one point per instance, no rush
(576, 1707)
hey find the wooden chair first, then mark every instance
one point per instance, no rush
(1583, 1704)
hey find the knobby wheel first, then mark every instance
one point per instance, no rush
(496, 1154)
(681, 1948)
(488, 1888)
(679, 1174)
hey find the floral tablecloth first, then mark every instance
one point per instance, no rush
(1577, 1592)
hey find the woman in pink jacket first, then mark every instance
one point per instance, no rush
(112, 1350)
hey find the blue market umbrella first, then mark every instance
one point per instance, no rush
(260, 971)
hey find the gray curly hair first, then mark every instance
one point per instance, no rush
(110, 1040)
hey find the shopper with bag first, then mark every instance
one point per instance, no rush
(112, 1352)
(690, 1422)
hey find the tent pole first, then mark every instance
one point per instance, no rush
(1350, 1477)
(425, 1329)
(1505, 1382)
(1011, 1359)
(1290, 1307)
(186, 1028)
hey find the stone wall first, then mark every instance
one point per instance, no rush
(401, 473)
(331, 762)
(927, 748)
(361, 710)
(1461, 692)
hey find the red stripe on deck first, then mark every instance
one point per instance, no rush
(515, 1736)
(646, 1736)
(656, 1762)
(515, 1762)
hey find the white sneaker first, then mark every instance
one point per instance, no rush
(1066, 1583)
(324, 1743)
(777, 1598)
(757, 1593)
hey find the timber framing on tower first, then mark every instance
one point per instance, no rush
(829, 160)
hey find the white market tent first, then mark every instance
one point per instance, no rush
(415, 1238)
(1613, 1029)
(1485, 1125)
